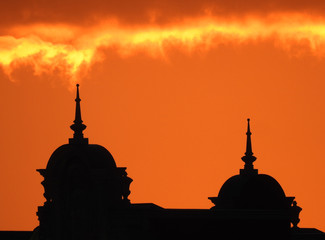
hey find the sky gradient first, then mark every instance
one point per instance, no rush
(166, 87)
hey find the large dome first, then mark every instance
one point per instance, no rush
(259, 191)
(82, 184)
(79, 157)
(91, 156)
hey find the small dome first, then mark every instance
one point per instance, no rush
(258, 191)
(250, 190)
(91, 156)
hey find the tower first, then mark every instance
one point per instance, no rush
(82, 184)
(251, 190)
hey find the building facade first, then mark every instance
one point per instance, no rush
(86, 197)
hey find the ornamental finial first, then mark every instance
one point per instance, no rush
(77, 125)
(248, 158)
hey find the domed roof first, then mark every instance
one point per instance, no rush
(78, 153)
(252, 191)
(91, 156)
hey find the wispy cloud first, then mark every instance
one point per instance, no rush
(68, 49)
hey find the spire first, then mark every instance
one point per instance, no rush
(248, 141)
(77, 125)
(248, 158)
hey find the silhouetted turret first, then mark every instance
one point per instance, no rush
(82, 184)
(250, 190)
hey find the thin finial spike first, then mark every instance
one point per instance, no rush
(77, 125)
(77, 119)
(248, 141)
(77, 91)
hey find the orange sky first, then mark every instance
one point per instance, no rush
(166, 87)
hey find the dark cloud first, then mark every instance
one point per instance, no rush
(82, 12)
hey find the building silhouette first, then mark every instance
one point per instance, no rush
(86, 197)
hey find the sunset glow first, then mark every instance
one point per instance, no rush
(166, 86)
(68, 49)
